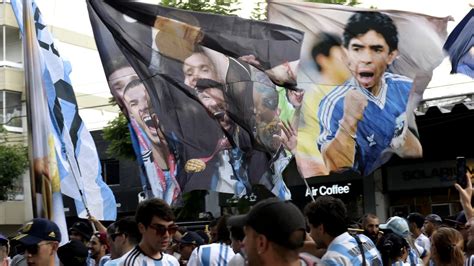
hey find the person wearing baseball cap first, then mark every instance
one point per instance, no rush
(399, 226)
(432, 223)
(73, 253)
(187, 244)
(81, 231)
(275, 231)
(41, 238)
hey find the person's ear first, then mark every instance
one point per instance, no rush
(54, 248)
(141, 228)
(392, 56)
(262, 244)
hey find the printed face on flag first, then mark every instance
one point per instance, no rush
(210, 84)
(357, 70)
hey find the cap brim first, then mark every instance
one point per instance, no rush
(237, 220)
(383, 226)
(27, 240)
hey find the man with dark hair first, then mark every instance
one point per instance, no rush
(217, 253)
(122, 236)
(415, 222)
(98, 247)
(327, 53)
(237, 236)
(328, 228)
(159, 159)
(156, 225)
(366, 116)
(370, 224)
(275, 231)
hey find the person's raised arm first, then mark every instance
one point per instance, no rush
(340, 152)
(465, 195)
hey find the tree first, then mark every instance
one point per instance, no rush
(118, 135)
(13, 163)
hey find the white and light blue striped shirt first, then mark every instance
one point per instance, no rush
(216, 254)
(136, 257)
(344, 250)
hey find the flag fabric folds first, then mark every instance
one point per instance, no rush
(78, 166)
(362, 73)
(460, 46)
(199, 91)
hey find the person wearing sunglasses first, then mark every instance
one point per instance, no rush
(41, 238)
(122, 237)
(155, 221)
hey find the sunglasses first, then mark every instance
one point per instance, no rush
(161, 229)
(33, 249)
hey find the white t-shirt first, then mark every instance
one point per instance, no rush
(423, 241)
(136, 257)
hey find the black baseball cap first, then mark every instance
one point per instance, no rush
(37, 230)
(82, 228)
(73, 253)
(191, 237)
(275, 219)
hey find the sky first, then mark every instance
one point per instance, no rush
(88, 76)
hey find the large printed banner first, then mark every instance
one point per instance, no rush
(199, 92)
(361, 75)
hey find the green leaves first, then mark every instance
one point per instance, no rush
(118, 135)
(13, 163)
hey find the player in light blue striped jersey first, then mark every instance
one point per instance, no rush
(366, 116)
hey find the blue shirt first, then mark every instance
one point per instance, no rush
(344, 250)
(383, 124)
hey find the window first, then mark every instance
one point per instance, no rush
(10, 110)
(11, 53)
(111, 171)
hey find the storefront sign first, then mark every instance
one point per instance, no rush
(328, 190)
(421, 176)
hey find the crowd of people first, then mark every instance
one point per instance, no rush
(273, 232)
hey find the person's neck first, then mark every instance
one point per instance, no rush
(416, 233)
(51, 261)
(279, 260)
(375, 90)
(150, 251)
(126, 248)
(97, 259)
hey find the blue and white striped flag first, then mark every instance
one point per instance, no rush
(78, 161)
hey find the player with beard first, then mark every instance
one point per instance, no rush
(137, 101)
(366, 116)
(370, 224)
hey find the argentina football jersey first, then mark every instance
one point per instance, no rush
(383, 124)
